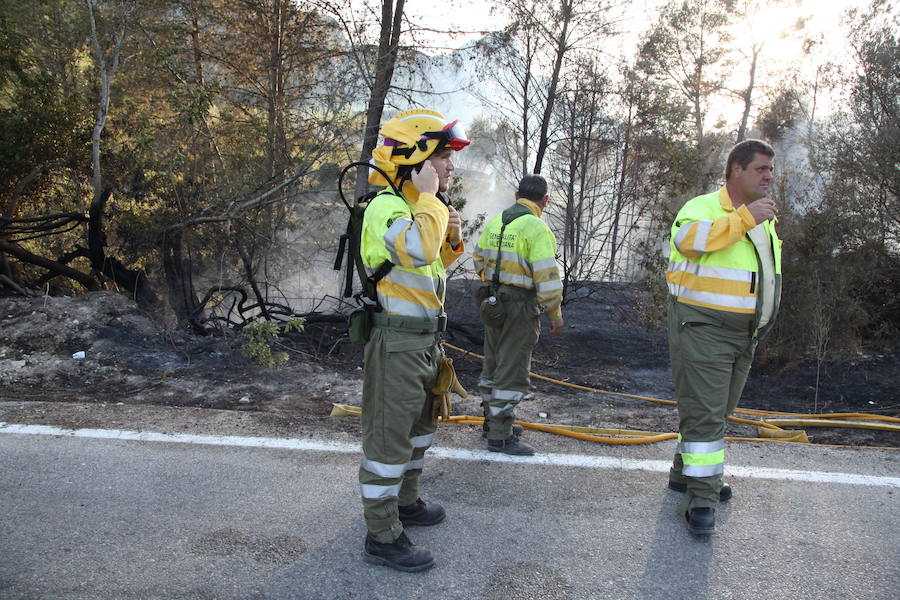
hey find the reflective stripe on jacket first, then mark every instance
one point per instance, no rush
(712, 261)
(527, 259)
(411, 236)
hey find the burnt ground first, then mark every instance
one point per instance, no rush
(131, 359)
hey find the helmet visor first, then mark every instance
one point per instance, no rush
(452, 135)
(456, 136)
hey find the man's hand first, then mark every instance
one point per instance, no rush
(426, 180)
(454, 232)
(556, 325)
(762, 209)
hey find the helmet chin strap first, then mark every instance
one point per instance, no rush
(405, 172)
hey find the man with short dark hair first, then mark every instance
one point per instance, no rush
(516, 259)
(724, 281)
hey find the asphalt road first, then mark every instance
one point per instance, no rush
(84, 517)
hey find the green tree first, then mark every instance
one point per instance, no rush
(530, 61)
(222, 112)
(687, 51)
(842, 239)
(861, 149)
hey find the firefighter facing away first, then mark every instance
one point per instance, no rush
(724, 280)
(420, 236)
(516, 259)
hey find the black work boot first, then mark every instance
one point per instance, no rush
(421, 514)
(701, 520)
(725, 491)
(401, 554)
(510, 445)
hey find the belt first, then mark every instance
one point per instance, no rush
(514, 291)
(412, 324)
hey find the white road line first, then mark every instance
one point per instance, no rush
(569, 460)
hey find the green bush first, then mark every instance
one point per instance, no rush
(260, 334)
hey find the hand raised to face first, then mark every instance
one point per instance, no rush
(426, 179)
(762, 209)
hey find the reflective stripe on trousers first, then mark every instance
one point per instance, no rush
(375, 491)
(702, 459)
(503, 402)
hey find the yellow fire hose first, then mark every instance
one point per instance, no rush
(769, 429)
(594, 434)
(830, 423)
(590, 434)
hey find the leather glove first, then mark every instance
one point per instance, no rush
(445, 383)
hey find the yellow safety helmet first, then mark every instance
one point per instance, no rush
(411, 137)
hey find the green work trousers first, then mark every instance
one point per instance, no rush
(400, 370)
(508, 346)
(711, 352)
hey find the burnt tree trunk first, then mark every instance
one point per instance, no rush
(179, 281)
(562, 46)
(388, 43)
(135, 282)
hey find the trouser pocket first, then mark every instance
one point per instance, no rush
(359, 325)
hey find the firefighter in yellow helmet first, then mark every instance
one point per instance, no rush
(412, 237)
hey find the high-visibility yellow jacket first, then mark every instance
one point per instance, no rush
(528, 257)
(714, 263)
(411, 234)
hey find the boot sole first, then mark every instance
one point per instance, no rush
(701, 530)
(377, 560)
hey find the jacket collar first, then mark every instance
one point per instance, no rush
(410, 193)
(725, 199)
(534, 208)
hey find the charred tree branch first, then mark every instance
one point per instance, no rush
(17, 251)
